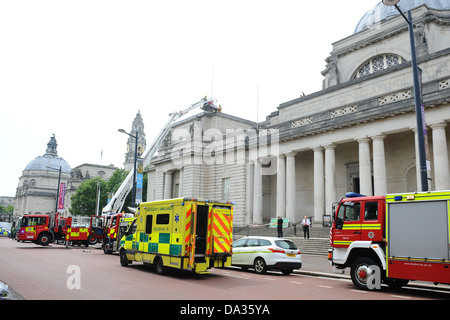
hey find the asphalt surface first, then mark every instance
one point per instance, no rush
(315, 265)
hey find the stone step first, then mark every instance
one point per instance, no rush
(315, 232)
(316, 246)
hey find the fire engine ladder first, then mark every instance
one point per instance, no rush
(117, 201)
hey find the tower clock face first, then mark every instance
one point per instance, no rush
(140, 149)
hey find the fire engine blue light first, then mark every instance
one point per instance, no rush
(398, 198)
(353, 195)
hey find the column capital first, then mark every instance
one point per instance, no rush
(318, 149)
(330, 146)
(291, 154)
(363, 140)
(378, 137)
(438, 125)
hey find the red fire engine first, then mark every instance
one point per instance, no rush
(84, 230)
(115, 226)
(41, 229)
(392, 239)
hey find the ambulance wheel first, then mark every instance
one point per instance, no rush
(43, 239)
(361, 271)
(159, 265)
(124, 262)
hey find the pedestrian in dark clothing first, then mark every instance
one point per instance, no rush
(280, 227)
(306, 224)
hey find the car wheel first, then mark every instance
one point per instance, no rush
(260, 265)
(286, 272)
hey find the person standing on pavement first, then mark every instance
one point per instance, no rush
(306, 224)
(280, 227)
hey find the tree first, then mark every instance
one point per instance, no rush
(10, 209)
(116, 180)
(84, 201)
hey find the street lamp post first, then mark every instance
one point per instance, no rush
(133, 194)
(417, 96)
(59, 182)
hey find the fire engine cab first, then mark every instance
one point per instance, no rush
(392, 239)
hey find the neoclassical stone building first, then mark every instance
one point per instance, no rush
(357, 134)
(38, 185)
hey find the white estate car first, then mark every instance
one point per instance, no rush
(266, 253)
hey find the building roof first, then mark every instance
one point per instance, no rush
(50, 160)
(381, 12)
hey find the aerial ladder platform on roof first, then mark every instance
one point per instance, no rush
(118, 199)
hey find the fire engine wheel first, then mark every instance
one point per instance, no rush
(43, 239)
(92, 240)
(361, 271)
(260, 265)
(107, 246)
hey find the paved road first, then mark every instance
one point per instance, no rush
(56, 272)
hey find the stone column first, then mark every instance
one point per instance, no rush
(290, 187)
(330, 177)
(180, 186)
(250, 189)
(319, 183)
(257, 194)
(440, 157)
(365, 170)
(281, 186)
(379, 165)
(168, 185)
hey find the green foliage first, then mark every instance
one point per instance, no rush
(8, 209)
(85, 199)
(116, 180)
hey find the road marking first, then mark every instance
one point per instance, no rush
(296, 282)
(401, 297)
(328, 287)
(359, 291)
(270, 279)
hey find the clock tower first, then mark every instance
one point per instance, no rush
(137, 127)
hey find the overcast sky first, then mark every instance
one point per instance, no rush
(82, 69)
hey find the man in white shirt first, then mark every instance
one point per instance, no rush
(306, 225)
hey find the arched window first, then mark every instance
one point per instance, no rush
(378, 63)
